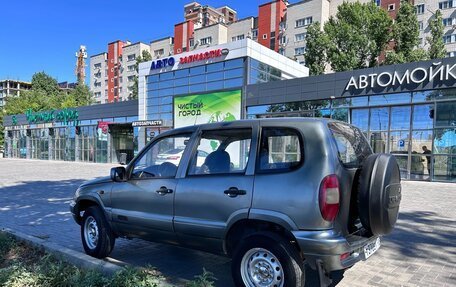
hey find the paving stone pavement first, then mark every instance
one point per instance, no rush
(34, 197)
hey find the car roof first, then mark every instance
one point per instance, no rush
(275, 120)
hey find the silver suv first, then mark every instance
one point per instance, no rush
(270, 193)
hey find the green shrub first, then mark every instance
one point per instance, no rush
(24, 266)
(135, 277)
(204, 280)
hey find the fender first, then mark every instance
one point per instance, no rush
(97, 200)
(274, 217)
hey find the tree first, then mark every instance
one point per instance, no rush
(436, 45)
(45, 95)
(144, 57)
(357, 36)
(406, 29)
(316, 43)
(406, 37)
(80, 95)
(45, 83)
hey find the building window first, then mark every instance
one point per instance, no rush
(237, 38)
(300, 51)
(282, 51)
(97, 66)
(419, 9)
(378, 2)
(421, 25)
(255, 33)
(300, 37)
(391, 7)
(447, 4)
(303, 22)
(451, 54)
(191, 42)
(283, 40)
(97, 84)
(206, 41)
(449, 38)
(447, 22)
(131, 57)
(131, 68)
(265, 36)
(161, 52)
(130, 79)
(97, 94)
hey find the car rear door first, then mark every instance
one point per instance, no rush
(211, 196)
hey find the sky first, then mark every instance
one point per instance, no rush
(44, 35)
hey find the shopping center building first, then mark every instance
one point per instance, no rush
(97, 133)
(207, 85)
(408, 110)
(215, 78)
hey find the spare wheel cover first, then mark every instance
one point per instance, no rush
(380, 193)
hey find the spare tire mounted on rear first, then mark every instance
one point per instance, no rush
(379, 193)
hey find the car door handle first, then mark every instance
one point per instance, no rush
(234, 191)
(164, 190)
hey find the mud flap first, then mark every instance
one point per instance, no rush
(323, 276)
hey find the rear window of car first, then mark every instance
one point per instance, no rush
(281, 150)
(351, 144)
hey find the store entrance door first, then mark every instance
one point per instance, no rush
(122, 144)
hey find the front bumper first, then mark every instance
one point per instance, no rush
(327, 246)
(73, 211)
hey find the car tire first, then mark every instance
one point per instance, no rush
(97, 238)
(379, 193)
(271, 258)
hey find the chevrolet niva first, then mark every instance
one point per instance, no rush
(272, 194)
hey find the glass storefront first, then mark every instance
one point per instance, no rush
(64, 144)
(161, 88)
(88, 141)
(418, 128)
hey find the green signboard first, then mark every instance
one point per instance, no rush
(207, 108)
(66, 116)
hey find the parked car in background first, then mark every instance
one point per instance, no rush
(272, 194)
(174, 156)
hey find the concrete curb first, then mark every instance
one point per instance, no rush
(65, 254)
(73, 257)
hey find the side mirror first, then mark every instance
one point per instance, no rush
(118, 174)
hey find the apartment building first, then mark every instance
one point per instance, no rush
(112, 74)
(98, 77)
(12, 88)
(162, 47)
(279, 26)
(425, 10)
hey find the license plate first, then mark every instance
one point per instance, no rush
(371, 248)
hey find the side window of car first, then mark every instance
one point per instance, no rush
(281, 149)
(221, 152)
(162, 158)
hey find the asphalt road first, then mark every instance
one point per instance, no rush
(34, 197)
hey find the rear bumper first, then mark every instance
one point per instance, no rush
(327, 246)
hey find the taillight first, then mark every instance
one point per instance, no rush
(329, 197)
